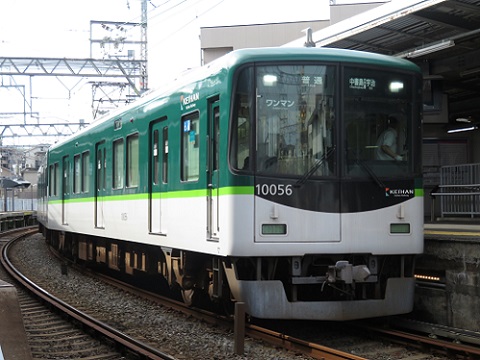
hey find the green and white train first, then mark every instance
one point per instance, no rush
(254, 179)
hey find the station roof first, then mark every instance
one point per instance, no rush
(441, 36)
(9, 183)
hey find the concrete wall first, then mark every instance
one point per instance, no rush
(217, 41)
(457, 303)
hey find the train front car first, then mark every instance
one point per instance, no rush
(331, 142)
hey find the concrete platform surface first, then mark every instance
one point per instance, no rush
(13, 339)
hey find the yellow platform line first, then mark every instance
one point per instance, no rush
(455, 233)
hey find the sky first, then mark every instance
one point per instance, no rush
(61, 28)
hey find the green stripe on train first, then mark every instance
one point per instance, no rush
(181, 194)
(419, 192)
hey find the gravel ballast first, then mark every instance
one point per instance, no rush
(168, 330)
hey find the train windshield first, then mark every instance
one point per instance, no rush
(295, 119)
(302, 125)
(379, 111)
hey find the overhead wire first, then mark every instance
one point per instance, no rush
(184, 24)
(162, 10)
(159, 12)
(138, 18)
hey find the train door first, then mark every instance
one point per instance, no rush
(65, 188)
(213, 226)
(100, 184)
(158, 173)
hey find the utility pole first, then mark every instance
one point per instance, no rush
(143, 49)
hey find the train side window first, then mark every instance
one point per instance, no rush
(66, 176)
(57, 182)
(50, 177)
(242, 115)
(216, 142)
(156, 157)
(190, 168)
(52, 188)
(77, 174)
(118, 164)
(165, 155)
(54, 180)
(85, 171)
(133, 169)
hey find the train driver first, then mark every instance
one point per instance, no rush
(386, 147)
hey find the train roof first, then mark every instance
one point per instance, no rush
(328, 54)
(243, 56)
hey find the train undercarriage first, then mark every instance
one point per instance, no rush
(206, 280)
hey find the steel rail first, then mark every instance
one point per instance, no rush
(316, 351)
(99, 327)
(272, 337)
(423, 341)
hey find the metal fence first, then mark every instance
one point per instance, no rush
(18, 200)
(459, 190)
(18, 205)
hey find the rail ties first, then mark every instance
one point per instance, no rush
(50, 335)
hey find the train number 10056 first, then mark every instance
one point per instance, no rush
(274, 189)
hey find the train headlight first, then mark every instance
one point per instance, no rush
(396, 86)
(269, 80)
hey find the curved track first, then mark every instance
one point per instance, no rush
(276, 338)
(56, 339)
(313, 348)
(364, 347)
(51, 336)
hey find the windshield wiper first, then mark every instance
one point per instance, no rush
(314, 168)
(370, 172)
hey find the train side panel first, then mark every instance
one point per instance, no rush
(128, 220)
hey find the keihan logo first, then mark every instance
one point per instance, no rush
(188, 101)
(399, 192)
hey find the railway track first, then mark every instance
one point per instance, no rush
(51, 336)
(310, 346)
(398, 337)
(278, 339)
(442, 340)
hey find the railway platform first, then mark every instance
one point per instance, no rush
(448, 281)
(15, 219)
(13, 339)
